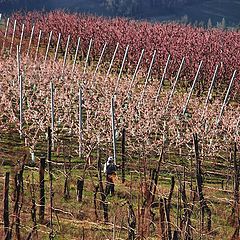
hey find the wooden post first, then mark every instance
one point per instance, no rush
(162, 79)
(103, 195)
(80, 184)
(51, 180)
(6, 222)
(199, 180)
(121, 69)
(30, 41)
(76, 54)
(123, 154)
(132, 223)
(226, 98)
(38, 44)
(113, 129)
(210, 90)
(21, 38)
(42, 189)
(235, 209)
(191, 90)
(87, 58)
(56, 51)
(135, 72)
(174, 85)
(13, 35)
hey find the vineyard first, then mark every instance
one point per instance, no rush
(162, 99)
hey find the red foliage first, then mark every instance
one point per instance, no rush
(212, 46)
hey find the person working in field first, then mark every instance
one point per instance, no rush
(110, 169)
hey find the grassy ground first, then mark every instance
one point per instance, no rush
(74, 220)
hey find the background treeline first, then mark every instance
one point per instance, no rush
(122, 7)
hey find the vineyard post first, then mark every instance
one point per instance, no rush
(99, 60)
(235, 209)
(13, 35)
(33, 210)
(163, 77)
(52, 111)
(136, 71)
(48, 46)
(113, 128)
(226, 98)
(87, 58)
(18, 63)
(21, 106)
(49, 154)
(199, 181)
(121, 69)
(123, 154)
(65, 54)
(103, 195)
(174, 84)
(42, 189)
(80, 184)
(80, 115)
(6, 205)
(38, 44)
(111, 63)
(148, 76)
(237, 125)
(76, 54)
(56, 51)
(210, 90)
(5, 35)
(21, 38)
(192, 88)
(30, 41)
